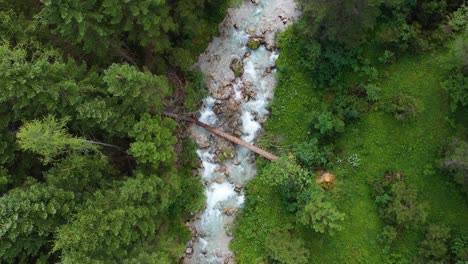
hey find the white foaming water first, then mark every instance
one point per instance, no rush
(223, 186)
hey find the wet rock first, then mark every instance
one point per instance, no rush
(270, 47)
(262, 119)
(228, 153)
(255, 42)
(229, 211)
(247, 54)
(237, 67)
(283, 18)
(224, 92)
(208, 183)
(219, 180)
(250, 31)
(202, 142)
(189, 244)
(256, 2)
(238, 188)
(222, 169)
(248, 93)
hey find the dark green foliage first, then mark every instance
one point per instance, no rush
(455, 161)
(457, 87)
(327, 123)
(398, 203)
(319, 212)
(87, 163)
(80, 174)
(343, 21)
(404, 107)
(312, 154)
(128, 94)
(28, 218)
(284, 247)
(434, 248)
(302, 196)
(98, 25)
(122, 220)
(459, 248)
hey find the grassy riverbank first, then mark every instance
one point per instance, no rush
(379, 141)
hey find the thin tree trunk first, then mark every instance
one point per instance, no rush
(225, 135)
(105, 145)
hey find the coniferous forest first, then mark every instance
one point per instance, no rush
(372, 94)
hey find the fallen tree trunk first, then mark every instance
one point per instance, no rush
(224, 135)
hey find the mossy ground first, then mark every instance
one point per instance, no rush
(381, 143)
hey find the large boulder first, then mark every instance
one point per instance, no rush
(237, 67)
(255, 42)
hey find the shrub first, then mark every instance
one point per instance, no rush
(404, 107)
(312, 154)
(457, 89)
(398, 204)
(283, 247)
(455, 161)
(435, 245)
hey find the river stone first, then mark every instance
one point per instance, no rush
(255, 42)
(237, 67)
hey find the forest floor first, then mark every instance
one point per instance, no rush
(381, 143)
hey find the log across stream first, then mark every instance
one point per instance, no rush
(224, 135)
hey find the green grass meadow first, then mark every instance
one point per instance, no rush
(382, 143)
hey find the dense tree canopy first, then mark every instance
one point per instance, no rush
(86, 160)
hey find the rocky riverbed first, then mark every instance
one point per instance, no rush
(239, 69)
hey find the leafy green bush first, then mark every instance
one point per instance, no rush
(455, 161)
(398, 204)
(302, 196)
(283, 247)
(459, 249)
(404, 107)
(434, 248)
(319, 211)
(312, 154)
(457, 88)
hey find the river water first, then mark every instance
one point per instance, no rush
(237, 105)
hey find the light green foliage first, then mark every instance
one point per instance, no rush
(320, 212)
(50, 139)
(28, 218)
(153, 141)
(326, 123)
(284, 247)
(434, 248)
(460, 18)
